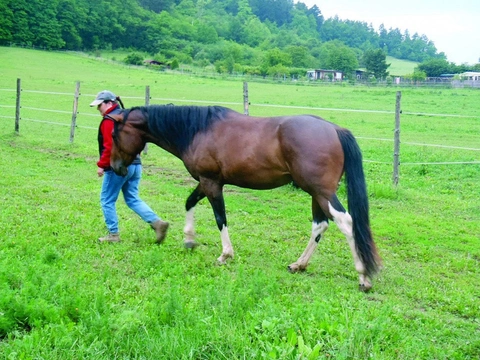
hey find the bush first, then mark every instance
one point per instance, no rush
(252, 70)
(174, 64)
(133, 59)
(202, 63)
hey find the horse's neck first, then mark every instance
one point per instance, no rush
(160, 142)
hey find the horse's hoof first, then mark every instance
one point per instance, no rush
(293, 268)
(222, 259)
(190, 244)
(364, 287)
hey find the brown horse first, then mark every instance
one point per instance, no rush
(220, 146)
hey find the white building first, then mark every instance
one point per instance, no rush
(333, 75)
(470, 75)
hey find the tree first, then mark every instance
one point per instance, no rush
(272, 58)
(300, 56)
(244, 11)
(157, 5)
(375, 63)
(351, 33)
(277, 11)
(276, 56)
(206, 33)
(319, 19)
(70, 17)
(435, 67)
(303, 24)
(21, 31)
(393, 41)
(418, 75)
(256, 33)
(6, 22)
(337, 56)
(180, 28)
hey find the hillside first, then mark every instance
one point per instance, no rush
(400, 67)
(252, 37)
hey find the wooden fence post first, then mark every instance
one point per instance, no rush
(74, 112)
(147, 102)
(17, 107)
(245, 98)
(396, 146)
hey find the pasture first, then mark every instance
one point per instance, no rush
(64, 296)
(400, 67)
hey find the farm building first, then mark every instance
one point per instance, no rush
(360, 74)
(470, 75)
(333, 75)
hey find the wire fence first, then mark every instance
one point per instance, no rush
(76, 114)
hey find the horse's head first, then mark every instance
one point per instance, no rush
(128, 140)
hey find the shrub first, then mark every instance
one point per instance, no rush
(174, 64)
(133, 59)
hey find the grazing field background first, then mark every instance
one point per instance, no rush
(64, 296)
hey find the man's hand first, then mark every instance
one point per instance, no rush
(100, 172)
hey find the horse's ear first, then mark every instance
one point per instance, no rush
(117, 117)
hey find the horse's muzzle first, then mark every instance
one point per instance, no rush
(119, 169)
(123, 171)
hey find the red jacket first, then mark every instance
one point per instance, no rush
(105, 138)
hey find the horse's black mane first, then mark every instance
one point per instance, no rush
(177, 125)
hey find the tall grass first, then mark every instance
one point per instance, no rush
(64, 296)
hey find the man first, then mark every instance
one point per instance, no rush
(107, 104)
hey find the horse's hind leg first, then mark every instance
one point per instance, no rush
(344, 222)
(189, 229)
(319, 226)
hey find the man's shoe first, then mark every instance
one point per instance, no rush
(113, 238)
(160, 228)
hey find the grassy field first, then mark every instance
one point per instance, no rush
(64, 296)
(400, 67)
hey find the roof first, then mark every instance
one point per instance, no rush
(470, 73)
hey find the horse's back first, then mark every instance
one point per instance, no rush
(305, 134)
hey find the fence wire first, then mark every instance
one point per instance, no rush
(171, 100)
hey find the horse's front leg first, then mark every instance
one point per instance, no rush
(189, 229)
(214, 192)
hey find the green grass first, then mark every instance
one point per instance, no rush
(400, 67)
(64, 296)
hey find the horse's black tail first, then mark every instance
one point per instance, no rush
(358, 202)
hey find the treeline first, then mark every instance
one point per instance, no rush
(256, 36)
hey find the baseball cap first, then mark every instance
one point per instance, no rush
(102, 96)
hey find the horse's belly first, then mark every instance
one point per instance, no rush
(258, 179)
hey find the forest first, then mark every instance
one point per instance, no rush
(248, 36)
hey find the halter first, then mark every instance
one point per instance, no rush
(115, 122)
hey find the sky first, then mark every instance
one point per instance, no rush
(452, 25)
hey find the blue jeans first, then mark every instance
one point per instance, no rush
(111, 186)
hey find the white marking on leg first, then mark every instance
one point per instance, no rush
(189, 229)
(317, 231)
(344, 223)
(227, 249)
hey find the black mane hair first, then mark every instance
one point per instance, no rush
(177, 125)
